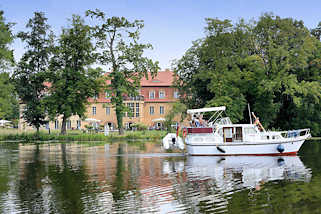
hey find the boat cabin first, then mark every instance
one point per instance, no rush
(238, 132)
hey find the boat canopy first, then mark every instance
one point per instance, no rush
(202, 110)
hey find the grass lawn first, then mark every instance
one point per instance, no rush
(76, 135)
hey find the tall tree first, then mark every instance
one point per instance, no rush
(30, 74)
(8, 101)
(9, 108)
(317, 31)
(272, 63)
(6, 38)
(72, 80)
(119, 48)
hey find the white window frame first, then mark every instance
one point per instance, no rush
(151, 110)
(94, 110)
(161, 109)
(68, 124)
(107, 109)
(107, 95)
(137, 110)
(151, 94)
(161, 94)
(56, 124)
(78, 124)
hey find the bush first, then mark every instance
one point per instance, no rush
(139, 126)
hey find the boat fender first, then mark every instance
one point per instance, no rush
(280, 148)
(281, 162)
(220, 160)
(220, 149)
(173, 140)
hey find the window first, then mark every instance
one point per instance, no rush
(161, 94)
(137, 109)
(107, 110)
(95, 96)
(68, 123)
(176, 94)
(161, 110)
(107, 95)
(152, 95)
(151, 110)
(249, 131)
(78, 124)
(131, 110)
(56, 124)
(94, 110)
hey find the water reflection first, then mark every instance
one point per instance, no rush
(211, 181)
(141, 178)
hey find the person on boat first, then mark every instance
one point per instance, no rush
(202, 121)
(258, 124)
(196, 121)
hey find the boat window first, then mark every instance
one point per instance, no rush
(249, 130)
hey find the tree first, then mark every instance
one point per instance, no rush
(178, 110)
(6, 55)
(9, 108)
(31, 73)
(8, 102)
(272, 63)
(317, 31)
(72, 80)
(119, 48)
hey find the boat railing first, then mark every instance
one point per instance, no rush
(295, 133)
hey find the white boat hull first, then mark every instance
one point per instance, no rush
(244, 148)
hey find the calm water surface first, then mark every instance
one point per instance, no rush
(141, 178)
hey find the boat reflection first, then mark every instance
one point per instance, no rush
(211, 183)
(240, 171)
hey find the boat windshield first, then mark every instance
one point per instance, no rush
(223, 121)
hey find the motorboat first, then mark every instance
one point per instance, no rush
(219, 136)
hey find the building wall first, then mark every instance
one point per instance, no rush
(101, 102)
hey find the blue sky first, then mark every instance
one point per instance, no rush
(170, 26)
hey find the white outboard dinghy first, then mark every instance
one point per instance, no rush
(171, 141)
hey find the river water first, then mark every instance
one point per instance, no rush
(138, 177)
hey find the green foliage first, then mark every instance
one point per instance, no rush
(30, 74)
(43, 136)
(8, 103)
(178, 109)
(139, 126)
(272, 63)
(118, 47)
(9, 108)
(6, 38)
(72, 80)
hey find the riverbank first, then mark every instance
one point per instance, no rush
(78, 136)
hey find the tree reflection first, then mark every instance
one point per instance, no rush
(30, 186)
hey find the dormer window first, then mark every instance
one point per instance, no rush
(151, 94)
(107, 95)
(95, 96)
(161, 94)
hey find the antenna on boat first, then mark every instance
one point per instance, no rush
(248, 107)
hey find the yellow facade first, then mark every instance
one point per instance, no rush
(150, 108)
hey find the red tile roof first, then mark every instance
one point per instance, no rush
(163, 78)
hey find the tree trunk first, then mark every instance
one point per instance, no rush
(63, 126)
(38, 132)
(119, 115)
